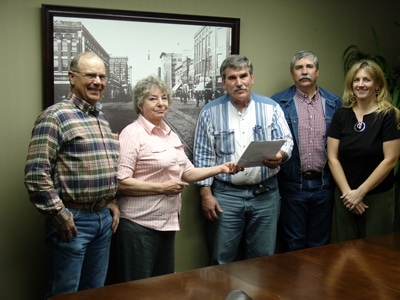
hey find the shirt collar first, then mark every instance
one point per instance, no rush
(85, 106)
(150, 127)
(304, 97)
(244, 108)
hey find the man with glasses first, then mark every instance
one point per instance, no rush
(70, 174)
(92, 76)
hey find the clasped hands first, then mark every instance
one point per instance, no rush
(352, 200)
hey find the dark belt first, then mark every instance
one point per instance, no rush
(258, 188)
(311, 174)
(93, 207)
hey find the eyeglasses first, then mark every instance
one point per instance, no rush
(93, 76)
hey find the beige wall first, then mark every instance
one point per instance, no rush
(271, 31)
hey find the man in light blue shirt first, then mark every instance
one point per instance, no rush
(244, 206)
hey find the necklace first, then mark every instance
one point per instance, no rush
(359, 126)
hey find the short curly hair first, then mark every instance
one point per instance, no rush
(144, 86)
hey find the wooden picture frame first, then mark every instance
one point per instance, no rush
(187, 48)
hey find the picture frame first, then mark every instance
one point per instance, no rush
(185, 51)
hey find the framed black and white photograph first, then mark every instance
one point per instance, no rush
(185, 51)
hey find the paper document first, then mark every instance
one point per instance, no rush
(257, 151)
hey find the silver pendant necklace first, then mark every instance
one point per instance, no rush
(359, 126)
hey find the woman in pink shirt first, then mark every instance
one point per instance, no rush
(152, 165)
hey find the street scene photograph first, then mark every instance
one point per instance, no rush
(186, 57)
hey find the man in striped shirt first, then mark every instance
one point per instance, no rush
(70, 174)
(244, 206)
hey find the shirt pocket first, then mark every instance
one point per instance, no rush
(225, 142)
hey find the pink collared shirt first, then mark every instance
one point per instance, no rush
(155, 154)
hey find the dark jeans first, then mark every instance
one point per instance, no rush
(305, 220)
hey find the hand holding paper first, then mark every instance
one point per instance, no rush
(258, 151)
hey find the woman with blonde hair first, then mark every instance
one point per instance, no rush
(363, 149)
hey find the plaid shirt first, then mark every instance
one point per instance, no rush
(72, 156)
(312, 127)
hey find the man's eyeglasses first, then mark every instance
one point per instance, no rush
(93, 76)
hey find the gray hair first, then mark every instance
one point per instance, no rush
(144, 86)
(304, 53)
(74, 64)
(236, 62)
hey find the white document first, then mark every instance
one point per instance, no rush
(257, 151)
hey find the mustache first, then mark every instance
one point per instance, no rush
(240, 88)
(305, 77)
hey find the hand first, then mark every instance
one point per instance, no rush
(210, 208)
(274, 161)
(173, 187)
(66, 230)
(114, 209)
(231, 168)
(352, 198)
(359, 209)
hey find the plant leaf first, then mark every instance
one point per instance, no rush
(395, 95)
(378, 42)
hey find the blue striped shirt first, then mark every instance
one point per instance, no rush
(223, 133)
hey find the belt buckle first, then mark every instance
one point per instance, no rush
(98, 206)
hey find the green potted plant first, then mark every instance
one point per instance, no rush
(353, 54)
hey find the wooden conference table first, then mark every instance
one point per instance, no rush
(359, 269)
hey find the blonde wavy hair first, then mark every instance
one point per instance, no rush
(383, 97)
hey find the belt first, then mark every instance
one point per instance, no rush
(258, 188)
(93, 207)
(311, 174)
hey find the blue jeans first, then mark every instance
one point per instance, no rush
(246, 217)
(306, 216)
(83, 262)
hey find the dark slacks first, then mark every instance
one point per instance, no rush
(142, 252)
